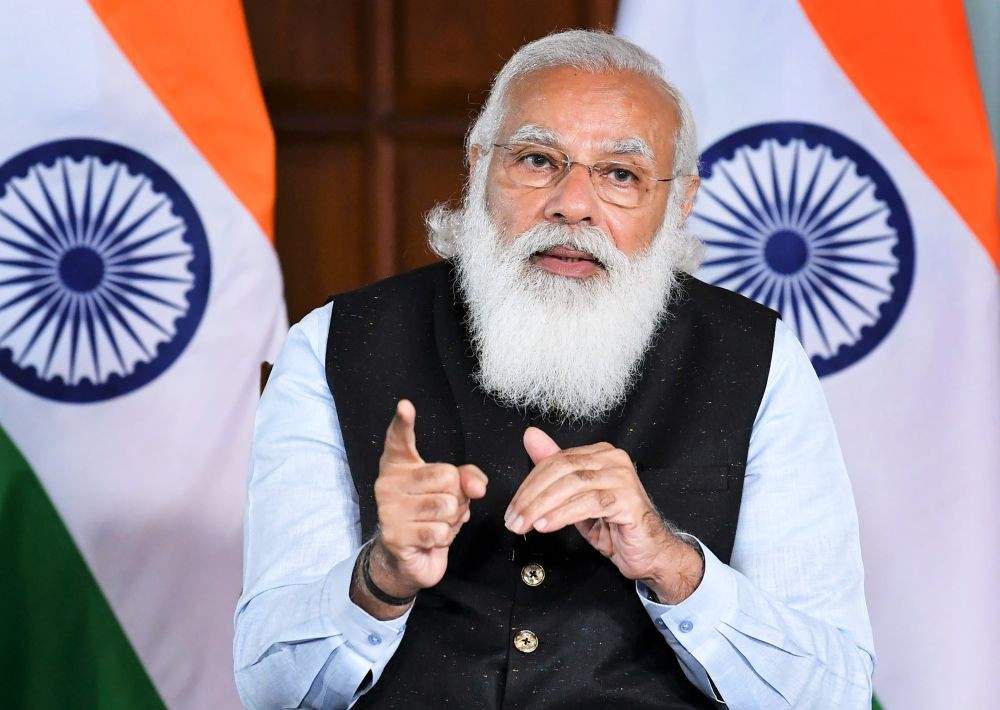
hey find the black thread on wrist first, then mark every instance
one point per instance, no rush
(373, 589)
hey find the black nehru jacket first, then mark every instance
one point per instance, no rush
(687, 427)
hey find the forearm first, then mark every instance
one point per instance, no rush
(310, 639)
(785, 623)
(298, 635)
(760, 652)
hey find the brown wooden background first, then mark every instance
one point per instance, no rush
(370, 101)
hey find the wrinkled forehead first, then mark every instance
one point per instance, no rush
(607, 112)
(627, 146)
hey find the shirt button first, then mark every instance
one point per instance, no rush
(525, 641)
(685, 626)
(374, 639)
(533, 574)
(661, 623)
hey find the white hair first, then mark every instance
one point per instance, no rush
(590, 51)
(587, 50)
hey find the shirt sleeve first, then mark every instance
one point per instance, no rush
(785, 623)
(300, 641)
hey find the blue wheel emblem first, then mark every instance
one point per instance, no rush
(104, 270)
(806, 221)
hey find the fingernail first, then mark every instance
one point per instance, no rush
(515, 524)
(506, 515)
(540, 524)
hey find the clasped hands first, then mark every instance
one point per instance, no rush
(423, 506)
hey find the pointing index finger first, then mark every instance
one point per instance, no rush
(400, 438)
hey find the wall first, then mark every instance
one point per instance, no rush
(370, 101)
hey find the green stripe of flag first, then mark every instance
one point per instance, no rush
(60, 644)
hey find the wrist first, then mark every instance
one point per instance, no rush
(380, 573)
(361, 591)
(678, 572)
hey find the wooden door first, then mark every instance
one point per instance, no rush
(370, 101)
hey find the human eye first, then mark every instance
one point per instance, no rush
(620, 175)
(536, 159)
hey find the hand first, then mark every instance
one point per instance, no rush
(596, 488)
(421, 508)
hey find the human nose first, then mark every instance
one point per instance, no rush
(573, 199)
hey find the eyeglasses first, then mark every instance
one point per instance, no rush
(534, 165)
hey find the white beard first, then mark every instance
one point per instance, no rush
(568, 348)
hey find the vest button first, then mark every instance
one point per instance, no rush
(533, 574)
(525, 641)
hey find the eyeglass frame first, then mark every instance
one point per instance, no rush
(568, 164)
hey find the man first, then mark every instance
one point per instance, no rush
(583, 438)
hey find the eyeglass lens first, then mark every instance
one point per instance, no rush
(535, 165)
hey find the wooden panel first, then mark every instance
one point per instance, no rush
(370, 100)
(321, 223)
(429, 172)
(310, 53)
(449, 51)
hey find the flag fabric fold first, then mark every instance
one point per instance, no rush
(848, 181)
(139, 293)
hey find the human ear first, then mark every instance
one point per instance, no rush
(475, 153)
(691, 184)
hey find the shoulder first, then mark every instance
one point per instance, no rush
(306, 340)
(792, 372)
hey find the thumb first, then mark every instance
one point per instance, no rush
(538, 444)
(473, 481)
(400, 438)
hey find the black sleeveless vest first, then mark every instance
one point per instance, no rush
(686, 425)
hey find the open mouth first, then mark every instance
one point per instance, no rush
(567, 255)
(566, 261)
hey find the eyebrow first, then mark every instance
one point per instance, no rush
(632, 146)
(532, 133)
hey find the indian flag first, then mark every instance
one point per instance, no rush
(139, 292)
(850, 183)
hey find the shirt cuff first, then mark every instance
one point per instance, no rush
(689, 626)
(368, 642)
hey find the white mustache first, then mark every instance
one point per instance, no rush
(591, 240)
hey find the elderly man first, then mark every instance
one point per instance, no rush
(604, 483)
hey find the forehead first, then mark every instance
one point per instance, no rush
(590, 110)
